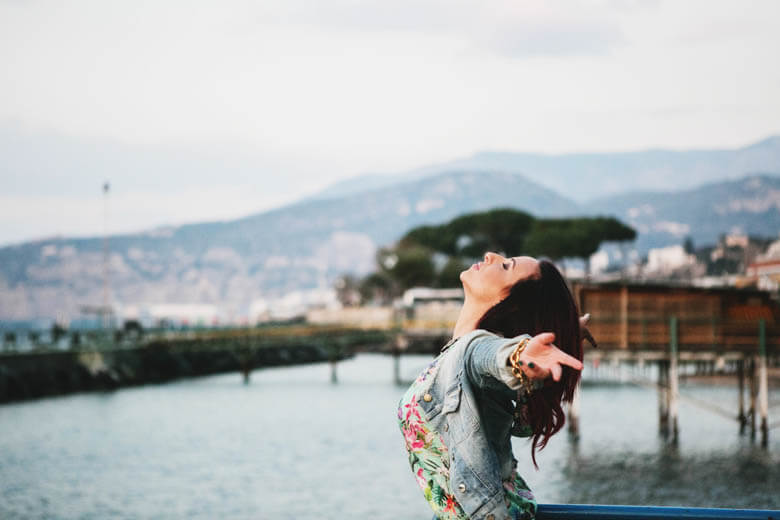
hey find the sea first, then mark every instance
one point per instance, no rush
(291, 444)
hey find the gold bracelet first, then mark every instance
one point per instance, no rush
(514, 361)
(514, 358)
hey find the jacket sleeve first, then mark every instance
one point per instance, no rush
(486, 359)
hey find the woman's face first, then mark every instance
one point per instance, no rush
(491, 279)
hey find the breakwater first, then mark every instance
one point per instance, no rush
(27, 375)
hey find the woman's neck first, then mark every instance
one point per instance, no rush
(469, 317)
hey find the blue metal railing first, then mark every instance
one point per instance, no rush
(577, 512)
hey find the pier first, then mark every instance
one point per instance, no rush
(104, 362)
(688, 331)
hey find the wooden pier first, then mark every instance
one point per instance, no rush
(736, 330)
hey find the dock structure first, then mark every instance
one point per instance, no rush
(666, 332)
(736, 331)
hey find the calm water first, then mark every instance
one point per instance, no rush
(293, 445)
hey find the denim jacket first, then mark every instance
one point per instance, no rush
(470, 404)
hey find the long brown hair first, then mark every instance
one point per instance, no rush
(536, 305)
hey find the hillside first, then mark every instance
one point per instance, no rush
(585, 176)
(748, 205)
(232, 263)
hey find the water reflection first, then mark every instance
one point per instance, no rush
(745, 478)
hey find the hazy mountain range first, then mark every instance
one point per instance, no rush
(309, 243)
(586, 176)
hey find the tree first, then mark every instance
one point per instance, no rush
(376, 288)
(688, 245)
(449, 276)
(612, 230)
(501, 229)
(616, 231)
(407, 266)
(575, 237)
(554, 238)
(438, 238)
(347, 290)
(410, 262)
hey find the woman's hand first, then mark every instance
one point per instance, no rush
(542, 359)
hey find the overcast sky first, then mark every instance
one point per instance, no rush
(200, 110)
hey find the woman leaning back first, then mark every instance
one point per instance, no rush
(515, 355)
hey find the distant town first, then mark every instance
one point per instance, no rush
(736, 261)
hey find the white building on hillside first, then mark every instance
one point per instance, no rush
(665, 260)
(294, 304)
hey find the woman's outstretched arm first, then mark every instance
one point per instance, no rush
(487, 358)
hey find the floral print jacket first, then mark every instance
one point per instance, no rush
(457, 419)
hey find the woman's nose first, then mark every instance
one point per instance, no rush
(489, 257)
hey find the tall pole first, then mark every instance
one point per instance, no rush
(104, 311)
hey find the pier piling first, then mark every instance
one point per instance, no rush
(763, 384)
(574, 416)
(673, 392)
(741, 417)
(663, 401)
(753, 384)
(401, 343)
(334, 376)
(397, 366)
(334, 354)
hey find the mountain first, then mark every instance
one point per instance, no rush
(748, 205)
(361, 183)
(586, 176)
(303, 245)
(309, 243)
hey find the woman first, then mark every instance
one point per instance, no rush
(500, 375)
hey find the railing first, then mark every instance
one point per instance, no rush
(578, 512)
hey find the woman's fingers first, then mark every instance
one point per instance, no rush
(584, 319)
(555, 372)
(543, 359)
(555, 365)
(545, 338)
(568, 360)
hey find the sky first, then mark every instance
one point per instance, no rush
(210, 110)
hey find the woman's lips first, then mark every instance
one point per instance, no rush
(476, 266)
